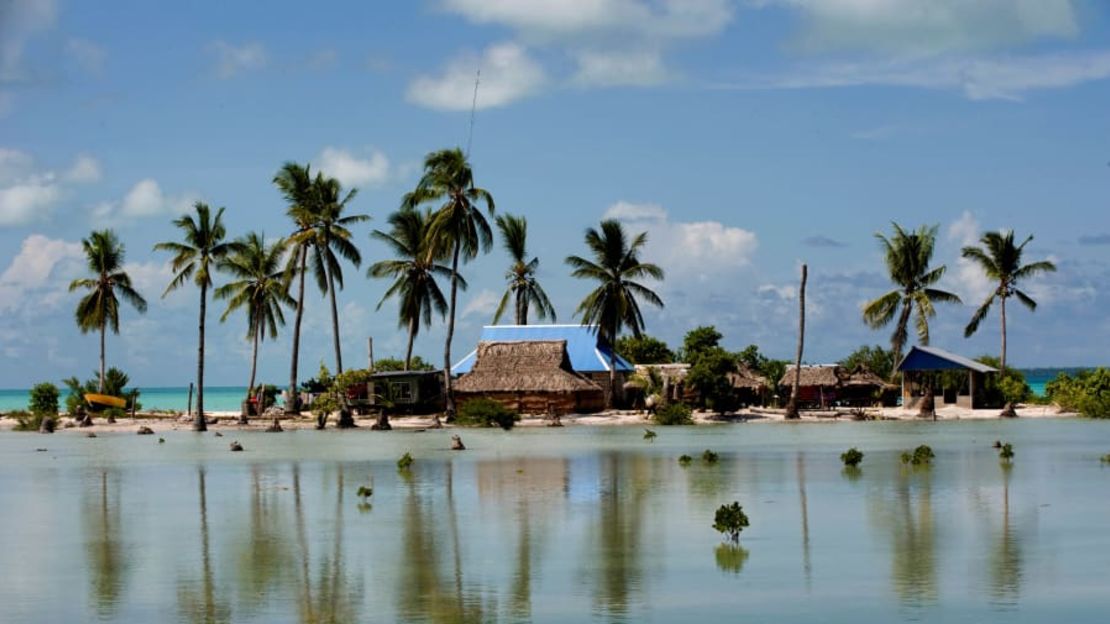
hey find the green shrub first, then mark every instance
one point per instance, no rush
(115, 384)
(1087, 392)
(393, 364)
(644, 350)
(730, 520)
(708, 375)
(44, 399)
(1006, 452)
(852, 457)
(921, 456)
(709, 457)
(26, 421)
(486, 413)
(1105, 458)
(650, 435)
(684, 460)
(114, 413)
(674, 414)
(405, 462)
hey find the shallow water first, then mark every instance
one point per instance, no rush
(573, 525)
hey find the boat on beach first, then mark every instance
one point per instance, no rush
(105, 400)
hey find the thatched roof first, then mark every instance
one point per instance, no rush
(670, 372)
(824, 376)
(746, 379)
(523, 366)
(863, 376)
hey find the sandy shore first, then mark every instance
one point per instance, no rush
(228, 421)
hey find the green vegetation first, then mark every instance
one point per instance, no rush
(686, 460)
(614, 304)
(405, 462)
(699, 340)
(416, 363)
(1086, 392)
(650, 435)
(1105, 458)
(709, 457)
(921, 456)
(772, 370)
(644, 349)
(708, 375)
(486, 413)
(730, 520)
(27, 421)
(44, 399)
(875, 358)
(852, 457)
(523, 289)
(730, 557)
(674, 414)
(1006, 452)
(115, 384)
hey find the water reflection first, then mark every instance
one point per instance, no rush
(908, 519)
(264, 552)
(1005, 559)
(327, 594)
(108, 560)
(616, 550)
(730, 557)
(807, 565)
(202, 604)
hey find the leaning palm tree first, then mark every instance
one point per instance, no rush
(457, 228)
(612, 306)
(196, 258)
(261, 288)
(99, 309)
(1000, 259)
(295, 184)
(413, 271)
(523, 287)
(907, 256)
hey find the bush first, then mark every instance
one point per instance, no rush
(921, 456)
(685, 460)
(852, 457)
(708, 375)
(644, 350)
(44, 399)
(1087, 392)
(1105, 458)
(405, 462)
(26, 421)
(709, 457)
(1006, 452)
(114, 413)
(730, 520)
(486, 413)
(394, 364)
(115, 384)
(674, 414)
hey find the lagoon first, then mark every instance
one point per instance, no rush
(582, 524)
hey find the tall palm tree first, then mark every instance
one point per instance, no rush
(795, 385)
(457, 227)
(413, 271)
(521, 275)
(907, 256)
(261, 287)
(195, 258)
(1000, 259)
(99, 309)
(612, 306)
(295, 184)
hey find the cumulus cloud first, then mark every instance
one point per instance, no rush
(84, 169)
(972, 284)
(32, 270)
(88, 55)
(28, 194)
(508, 74)
(146, 199)
(687, 250)
(352, 171)
(232, 59)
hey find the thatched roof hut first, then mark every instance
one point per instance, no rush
(745, 378)
(821, 376)
(864, 377)
(529, 376)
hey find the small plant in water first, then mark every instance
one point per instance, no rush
(709, 457)
(684, 460)
(405, 462)
(1006, 452)
(650, 435)
(921, 456)
(852, 457)
(730, 520)
(365, 492)
(1105, 458)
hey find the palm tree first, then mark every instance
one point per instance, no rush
(295, 184)
(414, 272)
(1000, 259)
(612, 306)
(196, 258)
(457, 225)
(521, 274)
(792, 405)
(907, 256)
(261, 287)
(99, 309)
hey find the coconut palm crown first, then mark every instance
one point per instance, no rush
(524, 289)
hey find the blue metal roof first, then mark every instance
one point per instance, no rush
(585, 350)
(931, 358)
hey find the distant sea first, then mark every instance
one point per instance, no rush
(216, 398)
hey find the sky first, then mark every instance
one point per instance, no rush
(746, 137)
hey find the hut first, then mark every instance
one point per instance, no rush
(587, 354)
(671, 377)
(532, 377)
(818, 385)
(863, 388)
(748, 385)
(923, 363)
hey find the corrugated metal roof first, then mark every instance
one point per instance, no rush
(931, 358)
(587, 353)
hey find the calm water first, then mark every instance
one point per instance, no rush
(573, 525)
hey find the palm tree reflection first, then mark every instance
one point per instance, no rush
(202, 605)
(108, 561)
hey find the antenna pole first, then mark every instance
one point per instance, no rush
(473, 108)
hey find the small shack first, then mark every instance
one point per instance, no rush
(863, 388)
(671, 377)
(922, 362)
(532, 377)
(818, 385)
(748, 385)
(405, 392)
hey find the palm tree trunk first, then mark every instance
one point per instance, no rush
(103, 330)
(612, 369)
(292, 406)
(896, 345)
(334, 323)
(792, 406)
(250, 385)
(199, 422)
(412, 339)
(521, 308)
(1002, 303)
(449, 398)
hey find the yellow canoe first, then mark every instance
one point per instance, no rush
(105, 400)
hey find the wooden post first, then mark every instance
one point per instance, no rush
(189, 410)
(133, 396)
(971, 387)
(370, 351)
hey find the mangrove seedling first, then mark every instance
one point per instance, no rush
(161, 440)
(709, 457)
(852, 457)
(1105, 458)
(405, 462)
(684, 460)
(921, 456)
(1007, 452)
(650, 435)
(730, 520)
(365, 492)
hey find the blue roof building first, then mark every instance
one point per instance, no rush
(922, 362)
(587, 352)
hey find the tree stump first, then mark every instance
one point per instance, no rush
(457, 443)
(236, 447)
(144, 430)
(275, 427)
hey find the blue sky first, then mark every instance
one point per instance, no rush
(745, 136)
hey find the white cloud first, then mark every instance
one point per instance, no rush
(28, 200)
(14, 165)
(972, 284)
(1007, 77)
(620, 68)
(33, 269)
(687, 250)
(350, 170)
(232, 59)
(144, 200)
(927, 27)
(88, 55)
(484, 303)
(20, 20)
(508, 74)
(779, 291)
(84, 169)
